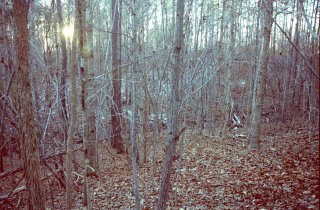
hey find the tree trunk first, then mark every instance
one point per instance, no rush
(30, 151)
(92, 148)
(173, 125)
(146, 110)
(133, 130)
(221, 57)
(230, 42)
(292, 92)
(88, 170)
(259, 82)
(116, 109)
(5, 83)
(253, 71)
(73, 114)
(64, 64)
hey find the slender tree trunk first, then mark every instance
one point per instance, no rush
(116, 109)
(145, 113)
(91, 99)
(294, 63)
(2, 106)
(146, 99)
(64, 64)
(30, 151)
(4, 83)
(133, 131)
(173, 126)
(253, 71)
(84, 55)
(221, 56)
(259, 82)
(73, 114)
(227, 70)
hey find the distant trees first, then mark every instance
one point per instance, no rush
(5, 79)
(148, 64)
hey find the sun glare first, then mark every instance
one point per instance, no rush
(68, 31)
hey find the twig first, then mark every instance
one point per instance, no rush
(10, 172)
(176, 137)
(55, 174)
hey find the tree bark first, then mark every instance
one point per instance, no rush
(30, 151)
(64, 64)
(73, 114)
(173, 126)
(259, 82)
(92, 102)
(116, 109)
(133, 130)
(252, 70)
(81, 8)
(230, 42)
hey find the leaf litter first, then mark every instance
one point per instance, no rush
(222, 174)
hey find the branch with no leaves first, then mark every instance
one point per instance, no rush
(176, 136)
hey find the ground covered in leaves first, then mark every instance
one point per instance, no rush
(214, 174)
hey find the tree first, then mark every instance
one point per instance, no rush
(88, 170)
(73, 113)
(221, 58)
(28, 138)
(116, 108)
(90, 98)
(64, 64)
(227, 70)
(133, 73)
(133, 130)
(173, 136)
(259, 80)
(253, 69)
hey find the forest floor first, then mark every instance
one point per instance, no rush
(212, 174)
(221, 174)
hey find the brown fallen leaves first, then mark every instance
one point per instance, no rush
(216, 174)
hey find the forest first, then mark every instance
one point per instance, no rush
(163, 104)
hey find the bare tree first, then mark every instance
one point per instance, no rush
(230, 42)
(88, 170)
(116, 108)
(64, 64)
(30, 150)
(73, 114)
(5, 81)
(173, 125)
(133, 130)
(259, 80)
(91, 99)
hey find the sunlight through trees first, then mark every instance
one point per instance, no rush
(140, 104)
